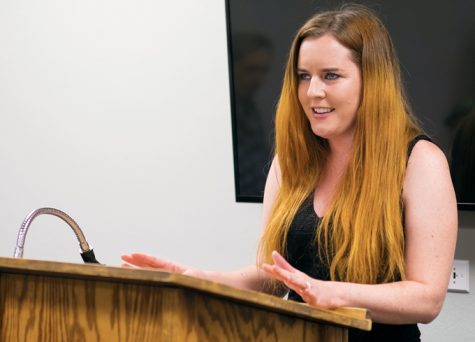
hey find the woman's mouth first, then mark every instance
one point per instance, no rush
(322, 110)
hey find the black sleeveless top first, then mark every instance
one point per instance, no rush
(302, 254)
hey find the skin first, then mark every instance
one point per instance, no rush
(428, 196)
(329, 80)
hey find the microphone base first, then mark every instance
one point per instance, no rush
(89, 257)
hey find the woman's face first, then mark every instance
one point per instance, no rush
(329, 87)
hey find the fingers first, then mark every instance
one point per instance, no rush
(295, 281)
(281, 262)
(147, 261)
(138, 259)
(142, 260)
(291, 277)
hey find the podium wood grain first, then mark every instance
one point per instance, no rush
(49, 301)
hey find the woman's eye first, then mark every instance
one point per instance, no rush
(304, 77)
(331, 76)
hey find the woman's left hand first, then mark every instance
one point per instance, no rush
(314, 292)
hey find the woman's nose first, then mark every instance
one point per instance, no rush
(316, 88)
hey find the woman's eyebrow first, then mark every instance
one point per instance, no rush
(332, 69)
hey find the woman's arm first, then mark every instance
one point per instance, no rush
(249, 277)
(430, 230)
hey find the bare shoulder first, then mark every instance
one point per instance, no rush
(427, 184)
(426, 154)
(427, 163)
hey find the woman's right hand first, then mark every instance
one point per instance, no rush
(141, 260)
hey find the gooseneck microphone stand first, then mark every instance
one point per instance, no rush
(87, 253)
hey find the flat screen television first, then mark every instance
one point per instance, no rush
(435, 43)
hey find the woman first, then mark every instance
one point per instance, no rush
(358, 202)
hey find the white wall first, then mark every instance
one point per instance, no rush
(117, 112)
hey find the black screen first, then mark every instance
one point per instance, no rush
(435, 43)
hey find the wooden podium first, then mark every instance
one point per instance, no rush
(53, 301)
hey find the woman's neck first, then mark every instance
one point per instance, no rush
(340, 152)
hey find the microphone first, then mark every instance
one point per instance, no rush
(87, 253)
